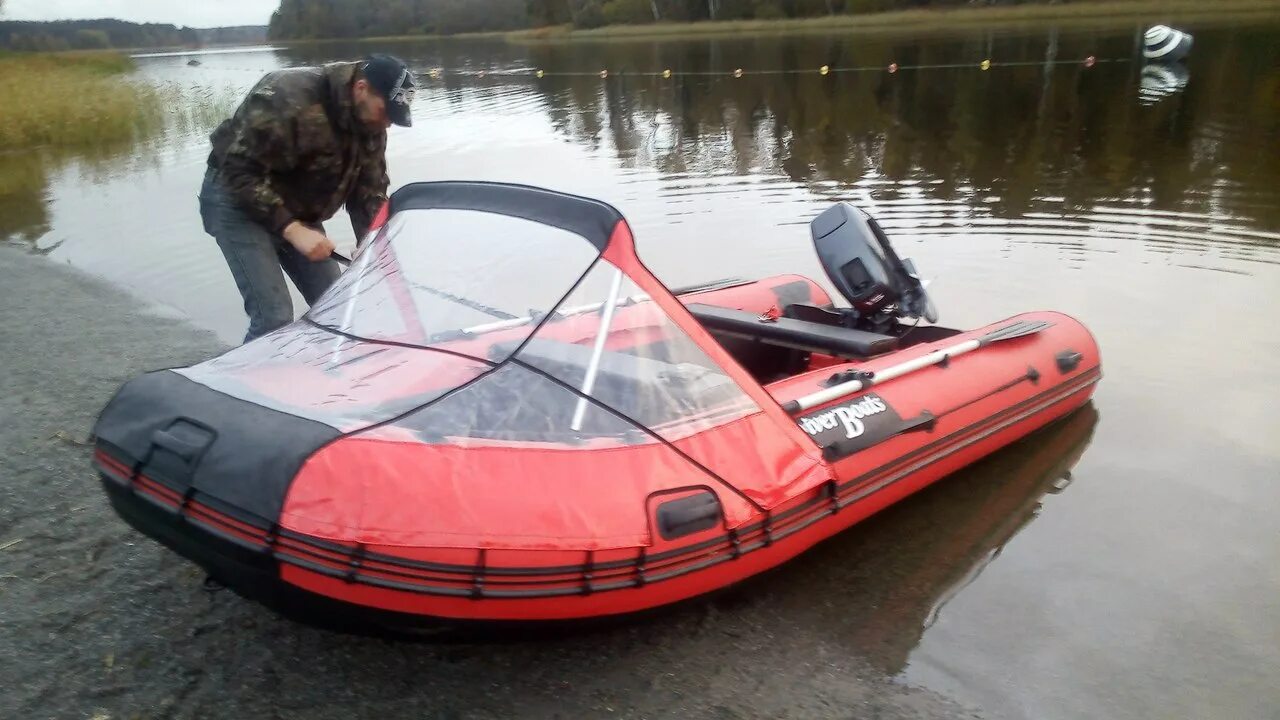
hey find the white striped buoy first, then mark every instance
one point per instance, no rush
(1162, 43)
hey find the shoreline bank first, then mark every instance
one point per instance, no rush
(1078, 14)
(927, 19)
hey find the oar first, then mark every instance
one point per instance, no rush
(1022, 328)
(478, 307)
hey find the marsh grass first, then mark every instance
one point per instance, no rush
(86, 113)
(73, 100)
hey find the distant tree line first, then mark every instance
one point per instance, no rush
(240, 35)
(103, 34)
(595, 13)
(298, 19)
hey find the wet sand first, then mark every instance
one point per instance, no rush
(99, 622)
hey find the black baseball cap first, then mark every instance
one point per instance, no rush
(391, 78)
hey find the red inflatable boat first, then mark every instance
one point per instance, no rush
(498, 414)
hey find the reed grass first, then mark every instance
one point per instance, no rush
(73, 100)
(84, 113)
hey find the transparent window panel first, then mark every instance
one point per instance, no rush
(513, 404)
(438, 277)
(611, 342)
(347, 384)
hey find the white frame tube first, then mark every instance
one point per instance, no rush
(517, 322)
(606, 321)
(836, 392)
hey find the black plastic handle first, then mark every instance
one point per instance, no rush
(1068, 360)
(688, 515)
(184, 438)
(182, 448)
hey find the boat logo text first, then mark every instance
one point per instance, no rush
(848, 417)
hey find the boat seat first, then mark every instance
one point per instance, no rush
(793, 333)
(813, 314)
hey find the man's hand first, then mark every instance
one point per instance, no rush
(312, 243)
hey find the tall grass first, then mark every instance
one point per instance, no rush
(73, 100)
(83, 112)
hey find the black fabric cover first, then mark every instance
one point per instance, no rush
(589, 218)
(793, 333)
(190, 437)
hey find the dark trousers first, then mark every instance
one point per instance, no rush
(258, 260)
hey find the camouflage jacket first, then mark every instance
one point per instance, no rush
(294, 150)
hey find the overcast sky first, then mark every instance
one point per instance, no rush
(191, 13)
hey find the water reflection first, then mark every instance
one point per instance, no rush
(1042, 148)
(25, 178)
(24, 215)
(1003, 143)
(894, 574)
(1162, 81)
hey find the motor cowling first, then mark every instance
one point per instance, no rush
(862, 264)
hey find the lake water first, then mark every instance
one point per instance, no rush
(1123, 565)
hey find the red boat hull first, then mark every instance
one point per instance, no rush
(868, 482)
(981, 402)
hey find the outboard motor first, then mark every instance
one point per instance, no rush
(860, 261)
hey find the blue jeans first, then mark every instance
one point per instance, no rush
(256, 257)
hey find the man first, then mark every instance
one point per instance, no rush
(305, 142)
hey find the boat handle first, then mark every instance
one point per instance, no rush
(688, 515)
(176, 445)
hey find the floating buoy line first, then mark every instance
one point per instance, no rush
(986, 64)
(668, 73)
